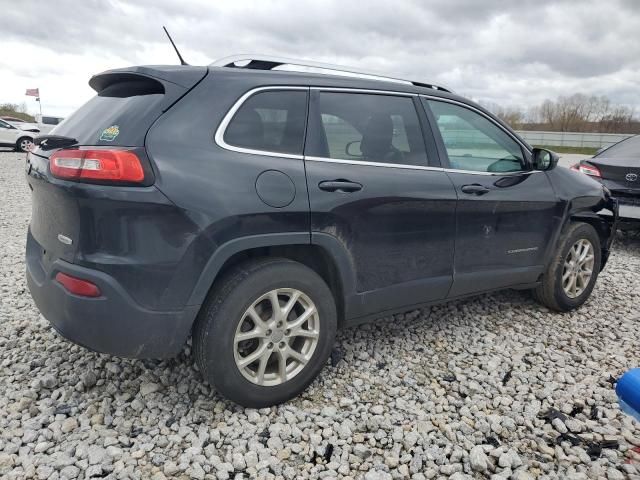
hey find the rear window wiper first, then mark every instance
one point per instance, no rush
(48, 142)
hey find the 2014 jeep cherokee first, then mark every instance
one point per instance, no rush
(258, 210)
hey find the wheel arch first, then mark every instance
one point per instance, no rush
(326, 257)
(602, 227)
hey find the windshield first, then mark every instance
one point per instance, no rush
(625, 149)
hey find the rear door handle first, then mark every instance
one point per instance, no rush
(344, 186)
(475, 189)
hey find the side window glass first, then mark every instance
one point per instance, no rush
(368, 127)
(473, 142)
(3, 124)
(271, 121)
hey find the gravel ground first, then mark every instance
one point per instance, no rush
(457, 391)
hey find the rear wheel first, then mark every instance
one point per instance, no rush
(24, 144)
(265, 332)
(571, 276)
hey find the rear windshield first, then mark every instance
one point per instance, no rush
(120, 114)
(625, 149)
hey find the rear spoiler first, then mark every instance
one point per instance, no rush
(181, 76)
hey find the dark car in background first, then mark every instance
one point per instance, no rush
(257, 211)
(618, 168)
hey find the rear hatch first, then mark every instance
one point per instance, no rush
(624, 172)
(127, 103)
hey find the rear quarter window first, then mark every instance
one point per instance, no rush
(270, 121)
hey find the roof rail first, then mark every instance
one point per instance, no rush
(265, 62)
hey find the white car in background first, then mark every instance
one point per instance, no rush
(21, 124)
(14, 137)
(47, 123)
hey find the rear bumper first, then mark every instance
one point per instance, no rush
(112, 323)
(626, 213)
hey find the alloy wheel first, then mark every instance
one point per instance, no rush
(578, 268)
(276, 337)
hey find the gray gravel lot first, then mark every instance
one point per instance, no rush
(456, 391)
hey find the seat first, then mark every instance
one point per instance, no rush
(376, 140)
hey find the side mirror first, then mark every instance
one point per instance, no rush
(352, 149)
(544, 159)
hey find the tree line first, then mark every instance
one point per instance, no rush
(574, 113)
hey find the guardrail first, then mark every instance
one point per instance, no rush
(572, 139)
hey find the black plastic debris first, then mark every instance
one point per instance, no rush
(594, 450)
(449, 378)
(62, 410)
(551, 414)
(569, 437)
(336, 356)
(610, 444)
(612, 380)
(328, 452)
(576, 410)
(507, 376)
(493, 441)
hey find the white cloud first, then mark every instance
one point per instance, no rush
(510, 53)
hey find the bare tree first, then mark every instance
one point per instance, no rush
(573, 113)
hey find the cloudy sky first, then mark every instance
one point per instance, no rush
(513, 53)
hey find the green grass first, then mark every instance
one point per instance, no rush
(558, 149)
(12, 113)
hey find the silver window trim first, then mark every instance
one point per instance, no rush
(372, 164)
(219, 135)
(413, 167)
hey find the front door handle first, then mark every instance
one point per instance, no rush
(344, 186)
(475, 189)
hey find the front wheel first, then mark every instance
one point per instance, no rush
(571, 275)
(24, 144)
(265, 332)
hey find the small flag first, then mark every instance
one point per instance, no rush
(33, 92)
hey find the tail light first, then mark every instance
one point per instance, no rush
(102, 165)
(587, 169)
(78, 286)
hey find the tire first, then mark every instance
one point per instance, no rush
(226, 315)
(552, 292)
(24, 144)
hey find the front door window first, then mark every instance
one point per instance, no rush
(474, 143)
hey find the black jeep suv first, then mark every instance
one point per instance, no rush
(258, 210)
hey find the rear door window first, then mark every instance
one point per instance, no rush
(270, 121)
(368, 127)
